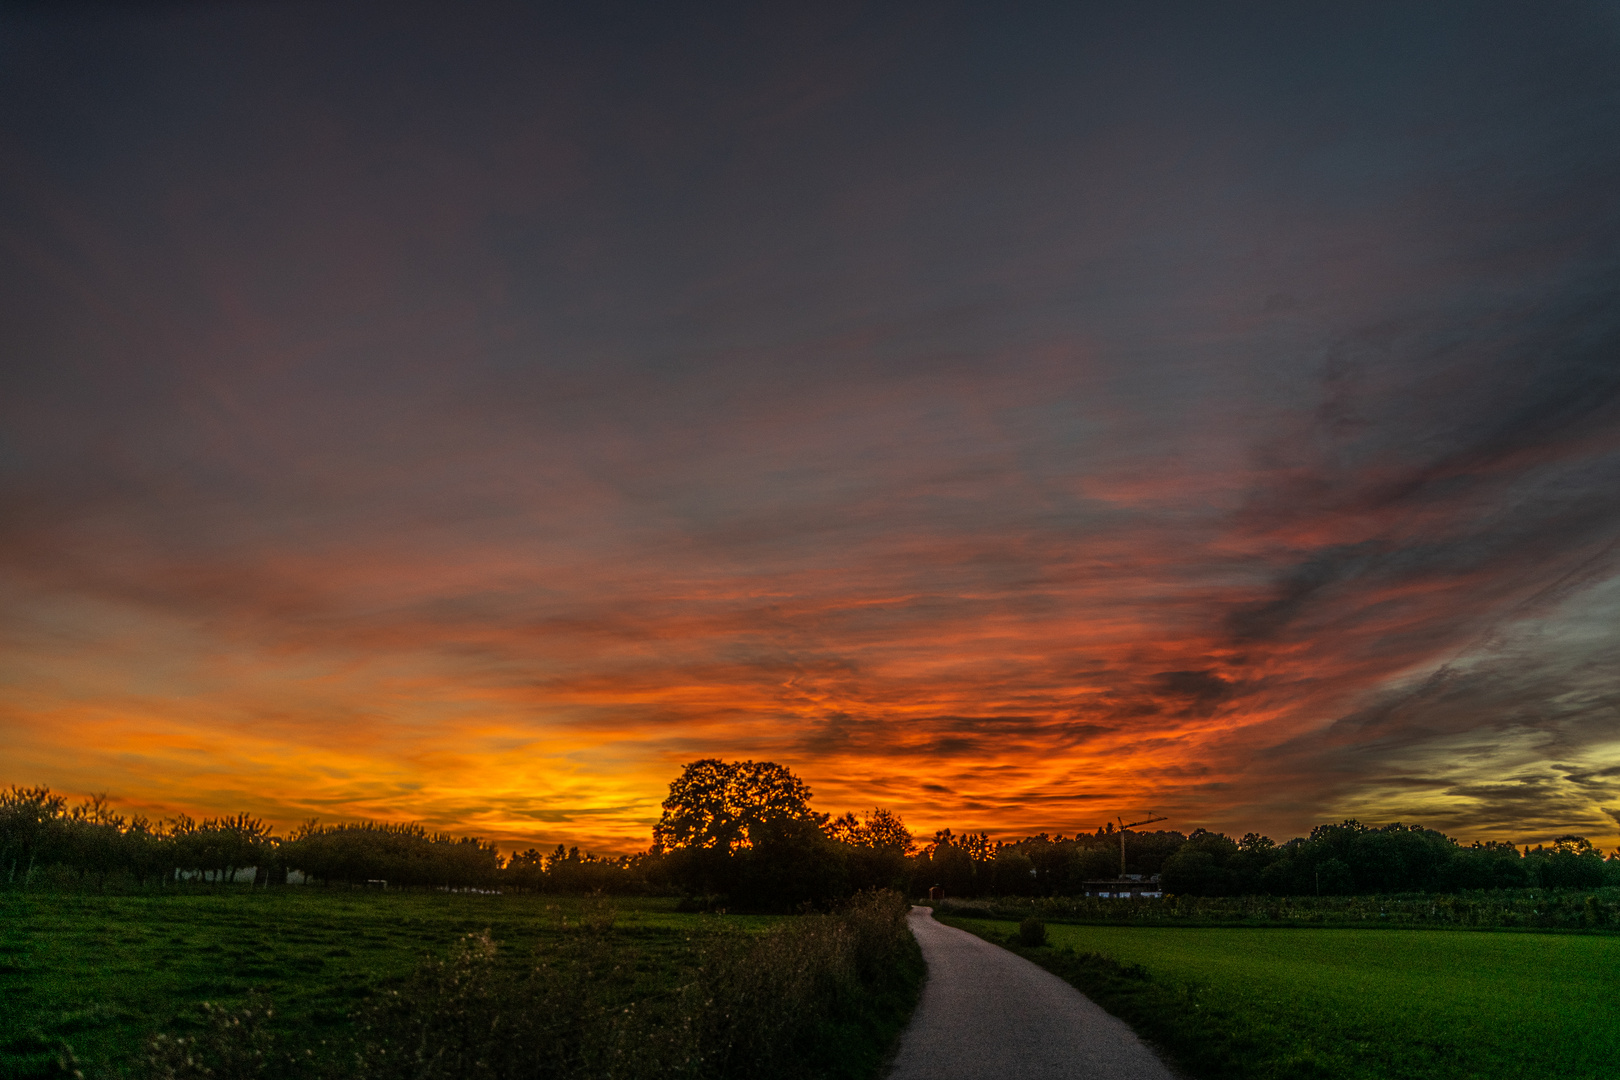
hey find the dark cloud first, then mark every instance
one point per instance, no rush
(1201, 691)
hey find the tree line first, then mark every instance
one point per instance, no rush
(41, 834)
(744, 834)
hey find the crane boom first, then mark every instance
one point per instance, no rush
(1123, 825)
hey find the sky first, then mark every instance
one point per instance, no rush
(1011, 415)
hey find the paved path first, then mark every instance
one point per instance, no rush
(987, 1014)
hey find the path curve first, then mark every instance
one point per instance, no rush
(988, 1014)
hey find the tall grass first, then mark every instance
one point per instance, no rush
(819, 996)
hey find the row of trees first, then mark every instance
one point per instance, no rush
(1346, 859)
(39, 831)
(736, 833)
(745, 830)
(744, 833)
(1351, 859)
(396, 854)
(971, 865)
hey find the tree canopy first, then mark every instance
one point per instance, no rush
(880, 829)
(732, 805)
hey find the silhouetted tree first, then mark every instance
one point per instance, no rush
(723, 805)
(1202, 867)
(1570, 863)
(949, 861)
(29, 821)
(876, 849)
(1011, 872)
(745, 830)
(398, 854)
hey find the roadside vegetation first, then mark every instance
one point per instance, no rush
(1594, 910)
(1258, 1004)
(318, 983)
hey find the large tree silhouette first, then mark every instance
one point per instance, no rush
(744, 831)
(731, 805)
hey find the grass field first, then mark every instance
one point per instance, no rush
(1231, 1002)
(102, 972)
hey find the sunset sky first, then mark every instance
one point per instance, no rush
(1012, 416)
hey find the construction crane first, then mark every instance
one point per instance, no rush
(1123, 825)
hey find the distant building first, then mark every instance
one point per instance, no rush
(1129, 887)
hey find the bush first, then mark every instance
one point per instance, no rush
(1032, 932)
(234, 1043)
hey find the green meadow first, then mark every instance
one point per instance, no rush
(101, 973)
(1385, 1004)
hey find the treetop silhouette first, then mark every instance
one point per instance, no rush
(731, 805)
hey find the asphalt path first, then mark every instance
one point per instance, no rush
(987, 1014)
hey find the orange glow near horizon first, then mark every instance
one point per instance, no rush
(970, 709)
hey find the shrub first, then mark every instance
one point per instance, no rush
(1032, 932)
(814, 997)
(235, 1043)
